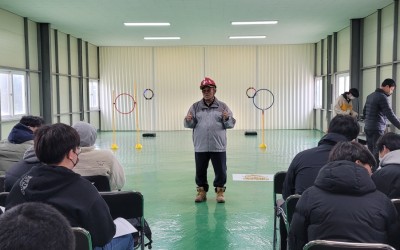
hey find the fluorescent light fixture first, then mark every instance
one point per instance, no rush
(147, 24)
(247, 37)
(254, 23)
(162, 38)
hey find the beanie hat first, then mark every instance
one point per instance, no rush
(87, 133)
(354, 92)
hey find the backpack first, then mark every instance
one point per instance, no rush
(147, 232)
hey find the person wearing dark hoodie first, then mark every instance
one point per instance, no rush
(19, 140)
(387, 177)
(20, 168)
(94, 161)
(344, 204)
(305, 165)
(56, 184)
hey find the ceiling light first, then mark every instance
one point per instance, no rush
(254, 23)
(247, 37)
(147, 24)
(163, 38)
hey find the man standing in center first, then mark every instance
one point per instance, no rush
(209, 118)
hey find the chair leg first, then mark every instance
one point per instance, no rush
(274, 238)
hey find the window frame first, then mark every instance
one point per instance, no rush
(10, 112)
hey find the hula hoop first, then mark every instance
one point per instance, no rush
(247, 92)
(272, 103)
(119, 111)
(151, 94)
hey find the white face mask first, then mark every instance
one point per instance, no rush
(351, 97)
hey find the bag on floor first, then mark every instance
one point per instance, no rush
(147, 232)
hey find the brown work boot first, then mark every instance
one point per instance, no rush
(220, 194)
(201, 195)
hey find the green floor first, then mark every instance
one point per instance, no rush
(164, 172)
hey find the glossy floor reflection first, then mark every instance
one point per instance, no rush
(164, 172)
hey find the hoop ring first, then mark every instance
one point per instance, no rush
(247, 92)
(272, 103)
(128, 95)
(151, 94)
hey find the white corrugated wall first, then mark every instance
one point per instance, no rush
(174, 74)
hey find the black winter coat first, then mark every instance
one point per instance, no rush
(305, 165)
(376, 110)
(76, 198)
(387, 178)
(344, 205)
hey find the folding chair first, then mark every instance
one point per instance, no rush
(396, 203)
(2, 179)
(128, 205)
(3, 198)
(101, 182)
(339, 245)
(290, 206)
(83, 240)
(279, 178)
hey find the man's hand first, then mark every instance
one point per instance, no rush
(189, 117)
(225, 115)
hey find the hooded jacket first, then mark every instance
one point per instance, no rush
(305, 165)
(20, 134)
(209, 129)
(343, 205)
(20, 168)
(387, 177)
(93, 161)
(344, 106)
(376, 110)
(76, 198)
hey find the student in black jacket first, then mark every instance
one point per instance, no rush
(343, 204)
(56, 184)
(387, 177)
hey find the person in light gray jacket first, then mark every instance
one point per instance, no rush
(95, 161)
(209, 118)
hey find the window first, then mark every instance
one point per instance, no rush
(13, 94)
(318, 93)
(342, 84)
(94, 94)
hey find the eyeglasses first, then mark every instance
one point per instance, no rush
(208, 89)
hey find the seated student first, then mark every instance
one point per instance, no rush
(56, 184)
(94, 161)
(19, 140)
(344, 204)
(35, 225)
(344, 105)
(305, 165)
(20, 168)
(387, 177)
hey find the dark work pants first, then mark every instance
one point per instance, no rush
(372, 138)
(218, 160)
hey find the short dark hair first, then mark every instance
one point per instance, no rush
(345, 125)
(388, 82)
(32, 121)
(53, 142)
(35, 225)
(390, 140)
(351, 151)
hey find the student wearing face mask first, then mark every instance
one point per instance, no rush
(376, 110)
(58, 146)
(344, 104)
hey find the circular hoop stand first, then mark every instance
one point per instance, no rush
(114, 145)
(269, 105)
(148, 94)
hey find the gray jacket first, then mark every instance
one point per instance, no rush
(209, 129)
